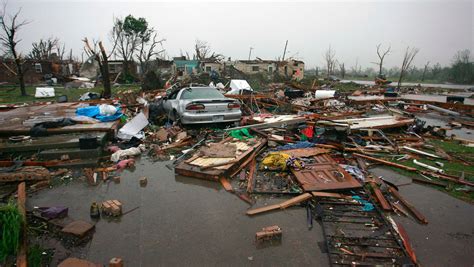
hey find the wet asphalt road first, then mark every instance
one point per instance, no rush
(186, 221)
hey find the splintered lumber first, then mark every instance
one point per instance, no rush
(410, 207)
(406, 242)
(385, 162)
(283, 205)
(212, 172)
(29, 173)
(21, 259)
(327, 194)
(380, 198)
(252, 169)
(225, 183)
(447, 177)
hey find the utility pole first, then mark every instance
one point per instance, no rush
(250, 52)
(284, 51)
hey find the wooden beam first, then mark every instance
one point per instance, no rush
(290, 202)
(389, 163)
(252, 170)
(327, 194)
(225, 183)
(21, 259)
(410, 207)
(380, 198)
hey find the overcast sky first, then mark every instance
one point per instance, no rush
(353, 28)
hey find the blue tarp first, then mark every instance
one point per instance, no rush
(303, 144)
(94, 112)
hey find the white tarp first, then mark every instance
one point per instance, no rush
(324, 94)
(133, 127)
(44, 92)
(236, 86)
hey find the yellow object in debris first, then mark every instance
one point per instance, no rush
(275, 161)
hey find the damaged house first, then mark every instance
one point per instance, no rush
(290, 68)
(209, 65)
(255, 66)
(37, 71)
(181, 65)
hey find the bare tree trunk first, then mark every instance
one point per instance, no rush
(381, 54)
(20, 73)
(407, 60)
(424, 71)
(105, 72)
(399, 84)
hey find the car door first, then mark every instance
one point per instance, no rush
(171, 102)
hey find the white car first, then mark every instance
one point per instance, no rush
(194, 105)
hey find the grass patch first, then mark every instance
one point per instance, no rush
(454, 168)
(11, 95)
(347, 87)
(38, 256)
(452, 147)
(10, 228)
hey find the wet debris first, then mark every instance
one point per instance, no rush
(293, 145)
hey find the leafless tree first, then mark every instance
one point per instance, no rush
(381, 54)
(10, 25)
(356, 69)
(424, 71)
(410, 54)
(148, 50)
(330, 58)
(97, 51)
(44, 49)
(342, 70)
(203, 51)
(462, 56)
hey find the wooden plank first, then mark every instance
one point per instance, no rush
(327, 194)
(187, 169)
(380, 198)
(385, 162)
(305, 152)
(21, 259)
(410, 207)
(252, 170)
(283, 205)
(250, 158)
(406, 242)
(225, 183)
(263, 209)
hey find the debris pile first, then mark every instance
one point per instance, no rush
(313, 147)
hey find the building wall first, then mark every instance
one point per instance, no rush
(292, 69)
(186, 66)
(254, 68)
(211, 66)
(32, 71)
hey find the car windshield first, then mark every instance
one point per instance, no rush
(201, 93)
